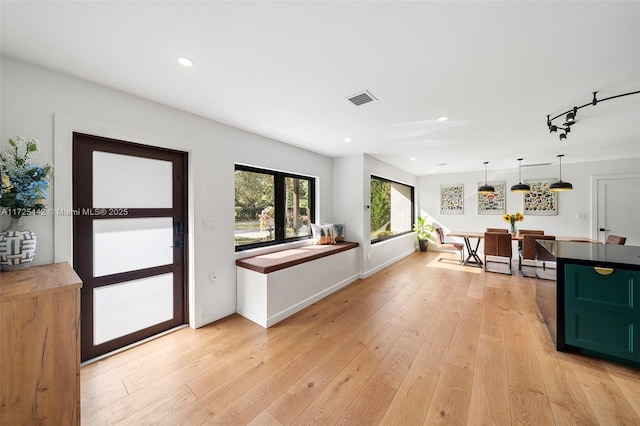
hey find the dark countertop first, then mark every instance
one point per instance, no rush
(590, 253)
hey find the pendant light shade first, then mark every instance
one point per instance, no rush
(520, 187)
(486, 188)
(560, 186)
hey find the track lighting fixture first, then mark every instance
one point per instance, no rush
(486, 188)
(560, 185)
(570, 115)
(520, 187)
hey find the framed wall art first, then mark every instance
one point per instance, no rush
(452, 199)
(540, 201)
(494, 203)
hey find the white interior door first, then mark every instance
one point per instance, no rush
(618, 208)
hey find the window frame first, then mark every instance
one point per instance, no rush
(413, 209)
(279, 206)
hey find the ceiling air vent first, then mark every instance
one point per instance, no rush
(362, 98)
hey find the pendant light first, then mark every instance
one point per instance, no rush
(520, 187)
(486, 188)
(560, 185)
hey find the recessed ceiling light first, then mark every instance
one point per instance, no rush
(443, 118)
(412, 158)
(185, 62)
(347, 139)
(432, 171)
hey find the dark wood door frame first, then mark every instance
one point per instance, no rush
(83, 147)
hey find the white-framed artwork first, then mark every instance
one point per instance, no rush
(495, 202)
(452, 199)
(540, 201)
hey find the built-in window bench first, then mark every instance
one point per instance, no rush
(273, 286)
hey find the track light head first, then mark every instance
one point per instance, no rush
(571, 118)
(563, 136)
(553, 128)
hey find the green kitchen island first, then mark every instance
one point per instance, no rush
(593, 307)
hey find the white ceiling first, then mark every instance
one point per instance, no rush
(285, 69)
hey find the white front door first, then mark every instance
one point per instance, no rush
(618, 208)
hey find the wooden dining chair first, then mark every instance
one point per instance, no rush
(444, 245)
(497, 249)
(616, 239)
(523, 232)
(527, 262)
(531, 231)
(497, 230)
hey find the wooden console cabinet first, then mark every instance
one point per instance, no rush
(40, 346)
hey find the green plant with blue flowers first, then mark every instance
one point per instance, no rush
(23, 184)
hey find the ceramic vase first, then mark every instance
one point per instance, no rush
(17, 246)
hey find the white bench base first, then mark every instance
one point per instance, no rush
(267, 299)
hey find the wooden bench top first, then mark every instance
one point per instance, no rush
(271, 262)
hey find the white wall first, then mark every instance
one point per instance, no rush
(48, 106)
(379, 255)
(348, 199)
(574, 208)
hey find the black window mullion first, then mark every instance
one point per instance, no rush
(312, 200)
(279, 197)
(413, 207)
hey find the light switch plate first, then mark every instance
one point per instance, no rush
(207, 222)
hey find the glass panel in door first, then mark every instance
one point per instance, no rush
(121, 309)
(121, 245)
(123, 181)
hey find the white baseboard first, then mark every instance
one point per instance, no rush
(307, 302)
(387, 263)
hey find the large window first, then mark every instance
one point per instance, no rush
(391, 208)
(272, 207)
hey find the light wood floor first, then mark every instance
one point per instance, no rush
(421, 342)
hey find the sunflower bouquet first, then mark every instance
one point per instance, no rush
(512, 219)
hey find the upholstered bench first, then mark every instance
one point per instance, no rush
(273, 286)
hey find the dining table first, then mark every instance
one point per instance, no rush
(472, 250)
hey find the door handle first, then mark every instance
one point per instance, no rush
(604, 230)
(177, 244)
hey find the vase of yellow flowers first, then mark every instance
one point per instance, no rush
(512, 219)
(23, 191)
